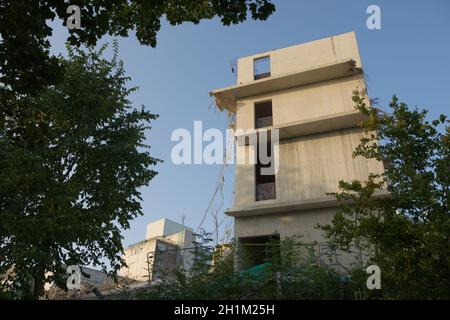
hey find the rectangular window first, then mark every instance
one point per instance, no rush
(265, 185)
(263, 114)
(261, 68)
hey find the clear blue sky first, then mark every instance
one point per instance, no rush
(409, 56)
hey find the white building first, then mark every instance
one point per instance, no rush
(168, 245)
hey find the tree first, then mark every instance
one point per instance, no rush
(406, 234)
(72, 160)
(25, 62)
(71, 147)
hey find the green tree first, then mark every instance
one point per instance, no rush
(25, 62)
(72, 160)
(407, 234)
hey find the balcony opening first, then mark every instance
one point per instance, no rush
(263, 114)
(261, 68)
(255, 251)
(265, 186)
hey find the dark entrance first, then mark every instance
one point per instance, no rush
(257, 250)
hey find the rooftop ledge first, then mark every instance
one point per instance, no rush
(226, 97)
(343, 120)
(290, 206)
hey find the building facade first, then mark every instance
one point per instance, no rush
(168, 245)
(304, 92)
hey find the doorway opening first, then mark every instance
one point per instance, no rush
(258, 250)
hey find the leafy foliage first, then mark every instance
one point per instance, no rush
(406, 234)
(26, 64)
(72, 160)
(285, 278)
(72, 152)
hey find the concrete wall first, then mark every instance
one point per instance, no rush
(95, 276)
(286, 224)
(310, 166)
(303, 103)
(303, 56)
(164, 259)
(163, 227)
(302, 223)
(136, 259)
(185, 240)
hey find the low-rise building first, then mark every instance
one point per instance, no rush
(167, 246)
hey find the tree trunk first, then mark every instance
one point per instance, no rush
(37, 288)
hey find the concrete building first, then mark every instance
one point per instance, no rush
(304, 91)
(167, 246)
